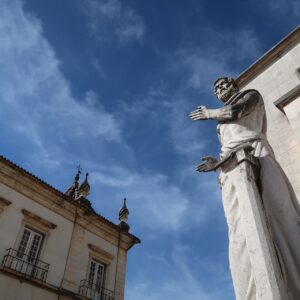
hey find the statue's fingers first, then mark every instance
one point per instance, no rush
(192, 114)
(198, 113)
(201, 167)
(209, 157)
(194, 111)
(205, 158)
(195, 118)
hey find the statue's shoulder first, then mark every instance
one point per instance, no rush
(242, 95)
(252, 91)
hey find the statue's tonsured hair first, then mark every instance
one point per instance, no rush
(227, 79)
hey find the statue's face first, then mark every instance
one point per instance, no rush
(225, 89)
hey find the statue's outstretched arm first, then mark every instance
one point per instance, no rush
(243, 107)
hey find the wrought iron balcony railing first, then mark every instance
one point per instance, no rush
(91, 291)
(26, 265)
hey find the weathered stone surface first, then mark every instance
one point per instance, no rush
(255, 253)
(248, 230)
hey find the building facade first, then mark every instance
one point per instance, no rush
(276, 75)
(53, 245)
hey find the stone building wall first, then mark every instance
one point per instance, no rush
(73, 235)
(276, 77)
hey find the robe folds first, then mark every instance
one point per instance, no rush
(281, 206)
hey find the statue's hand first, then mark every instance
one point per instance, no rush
(209, 164)
(201, 113)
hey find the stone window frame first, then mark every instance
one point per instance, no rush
(98, 254)
(30, 241)
(288, 97)
(37, 224)
(97, 262)
(298, 72)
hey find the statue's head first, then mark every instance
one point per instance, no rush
(225, 87)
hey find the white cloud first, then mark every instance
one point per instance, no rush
(131, 28)
(58, 130)
(182, 282)
(203, 64)
(110, 15)
(36, 99)
(33, 86)
(98, 67)
(185, 134)
(155, 202)
(200, 66)
(291, 8)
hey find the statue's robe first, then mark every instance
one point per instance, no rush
(245, 121)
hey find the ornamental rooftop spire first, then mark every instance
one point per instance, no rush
(72, 190)
(78, 192)
(123, 217)
(84, 188)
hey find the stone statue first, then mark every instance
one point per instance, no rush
(242, 123)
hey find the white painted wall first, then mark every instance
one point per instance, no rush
(80, 254)
(56, 244)
(54, 251)
(283, 129)
(13, 289)
(91, 238)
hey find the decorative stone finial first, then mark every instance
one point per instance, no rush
(123, 217)
(84, 188)
(72, 190)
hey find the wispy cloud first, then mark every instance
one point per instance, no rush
(181, 281)
(199, 66)
(155, 202)
(57, 130)
(219, 56)
(34, 88)
(106, 16)
(280, 7)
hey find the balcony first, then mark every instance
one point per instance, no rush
(90, 291)
(25, 265)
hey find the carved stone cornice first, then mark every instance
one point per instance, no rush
(37, 219)
(38, 191)
(267, 59)
(100, 254)
(3, 203)
(287, 98)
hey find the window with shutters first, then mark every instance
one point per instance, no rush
(24, 259)
(93, 287)
(96, 274)
(30, 245)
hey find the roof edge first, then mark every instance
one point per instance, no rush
(62, 195)
(268, 58)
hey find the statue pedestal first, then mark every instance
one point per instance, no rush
(265, 266)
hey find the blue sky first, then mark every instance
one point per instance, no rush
(108, 84)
